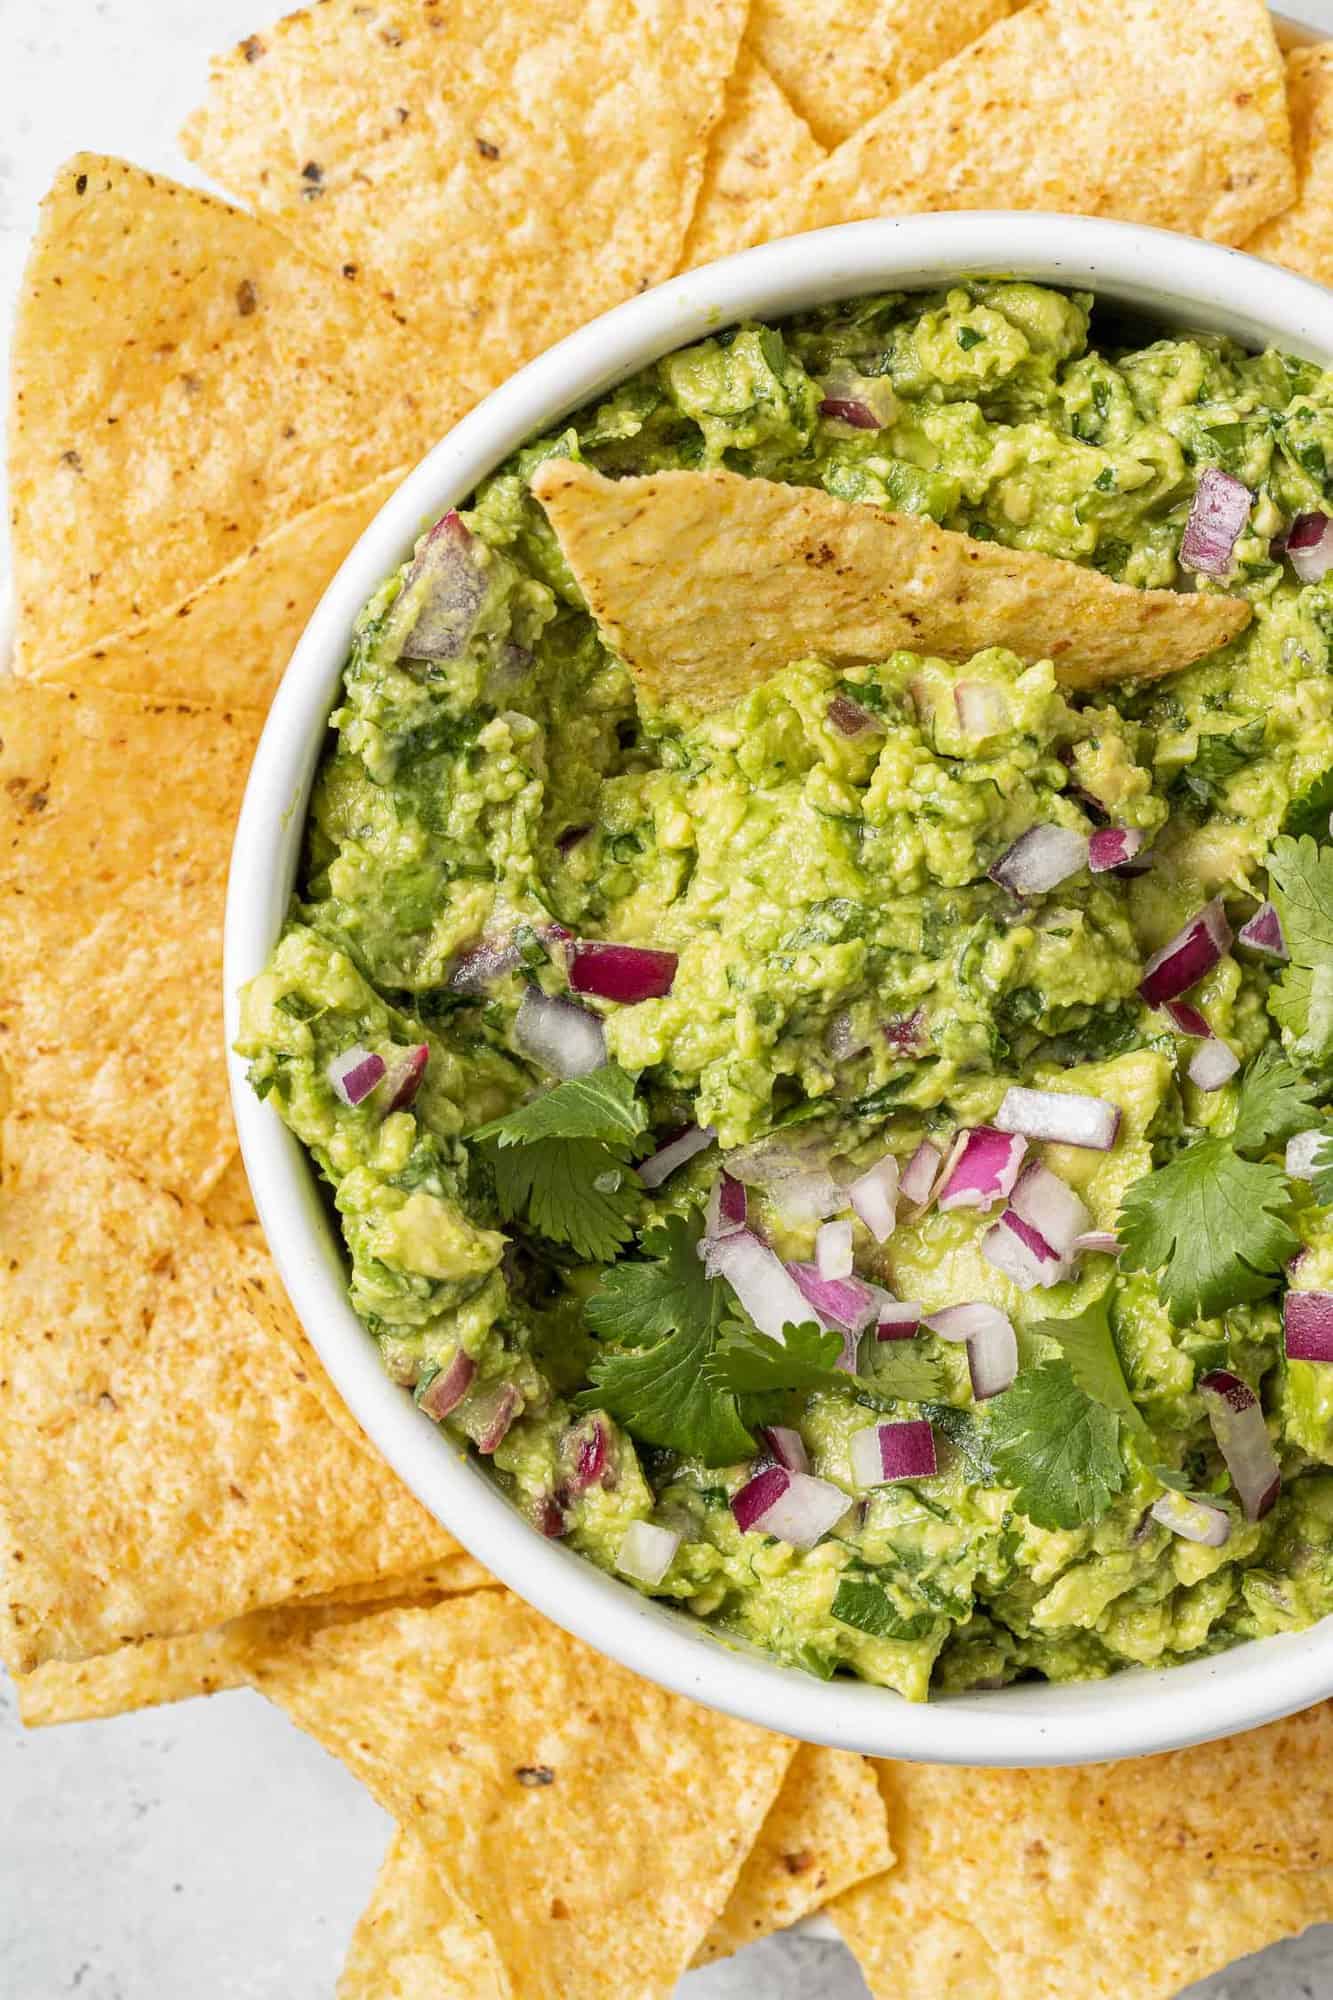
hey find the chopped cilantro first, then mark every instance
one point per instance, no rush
(969, 336)
(1309, 811)
(1219, 757)
(562, 1163)
(664, 1317)
(748, 1362)
(1300, 875)
(968, 1438)
(1056, 1447)
(861, 1602)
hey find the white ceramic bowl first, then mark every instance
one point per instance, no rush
(1131, 1714)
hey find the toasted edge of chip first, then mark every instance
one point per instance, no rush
(707, 583)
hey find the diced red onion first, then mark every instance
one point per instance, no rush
(759, 1279)
(764, 1162)
(1193, 1520)
(843, 1039)
(1040, 859)
(982, 1168)
(727, 1207)
(549, 1517)
(1065, 1117)
(1308, 543)
(1187, 1019)
(486, 1413)
(566, 842)
(664, 1162)
(1212, 1064)
(792, 1506)
(1237, 1419)
(1045, 1202)
(454, 590)
(917, 1181)
(874, 1196)
(906, 1035)
(646, 1552)
(1264, 933)
(898, 1319)
(884, 1453)
(1022, 1253)
(448, 1388)
(354, 1074)
(477, 969)
(982, 708)
(784, 1446)
(1192, 952)
(1218, 512)
(405, 1078)
(587, 1450)
(628, 973)
(833, 1249)
(1307, 1322)
(1301, 1152)
(992, 1346)
(1112, 846)
(1099, 1242)
(849, 718)
(560, 1035)
(850, 410)
(844, 1302)
(807, 1197)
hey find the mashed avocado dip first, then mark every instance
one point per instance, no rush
(850, 1160)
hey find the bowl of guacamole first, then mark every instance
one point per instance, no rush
(786, 1044)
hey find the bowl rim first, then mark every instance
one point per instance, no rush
(1136, 1711)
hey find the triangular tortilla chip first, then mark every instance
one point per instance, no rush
(184, 382)
(761, 145)
(116, 821)
(502, 173)
(1082, 1909)
(593, 1823)
(1146, 110)
(155, 1672)
(705, 583)
(165, 1462)
(825, 1830)
(231, 1205)
(840, 61)
(229, 642)
(1302, 238)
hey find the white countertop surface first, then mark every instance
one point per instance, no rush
(210, 1851)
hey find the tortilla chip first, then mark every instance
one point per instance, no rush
(184, 382)
(503, 174)
(1302, 238)
(230, 1203)
(1146, 110)
(826, 1829)
(705, 583)
(760, 146)
(416, 1939)
(155, 1672)
(1082, 1908)
(229, 642)
(116, 821)
(594, 1823)
(165, 1463)
(840, 61)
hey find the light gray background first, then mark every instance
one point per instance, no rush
(210, 1851)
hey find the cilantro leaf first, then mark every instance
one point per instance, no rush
(1056, 1447)
(664, 1316)
(1088, 1345)
(1275, 1102)
(749, 1362)
(574, 1191)
(1300, 877)
(601, 1105)
(1309, 813)
(861, 1602)
(1213, 1224)
(561, 1163)
(1322, 1173)
(1219, 757)
(897, 1372)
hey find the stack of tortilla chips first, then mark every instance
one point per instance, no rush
(209, 404)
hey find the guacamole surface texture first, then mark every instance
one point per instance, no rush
(838, 968)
